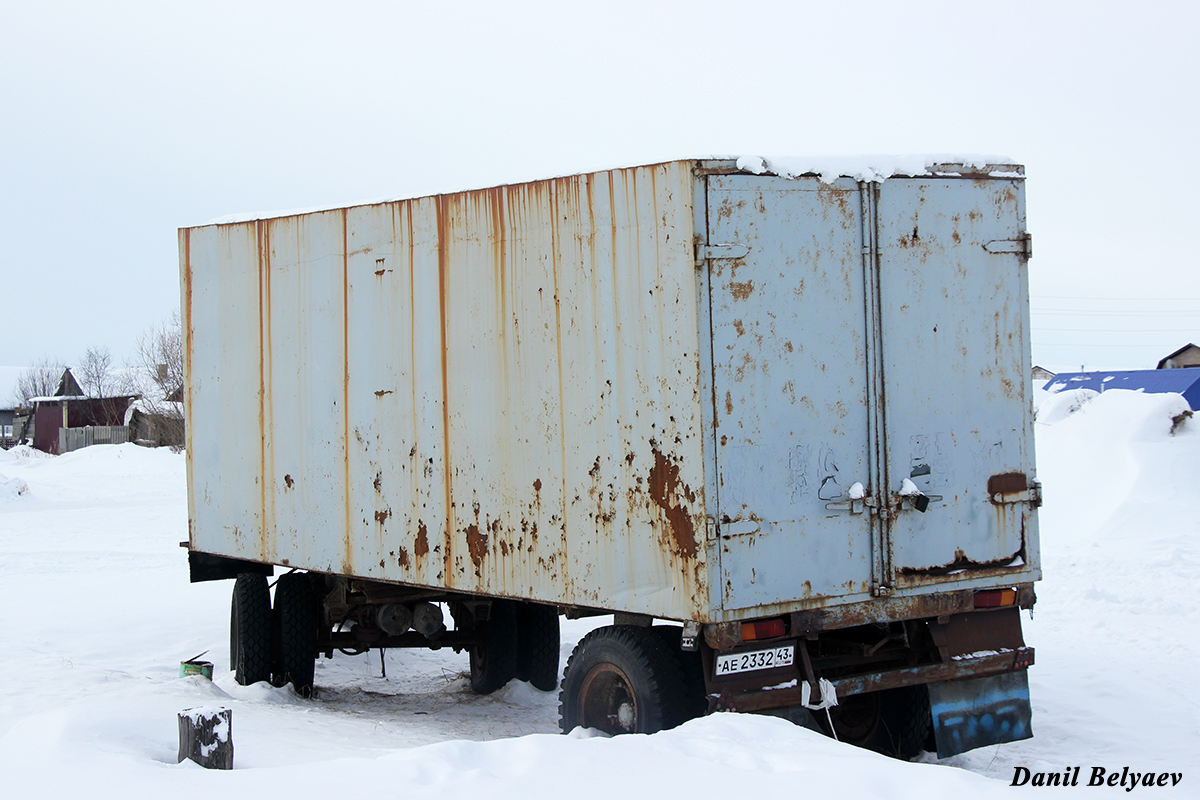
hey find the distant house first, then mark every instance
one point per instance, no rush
(69, 408)
(7, 416)
(156, 424)
(1186, 356)
(1042, 374)
(1153, 381)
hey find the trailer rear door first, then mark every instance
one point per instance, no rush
(865, 335)
(955, 359)
(791, 410)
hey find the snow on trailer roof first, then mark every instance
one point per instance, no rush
(827, 168)
(881, 167)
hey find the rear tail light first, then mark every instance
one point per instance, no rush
(995, 598)
(763, 629)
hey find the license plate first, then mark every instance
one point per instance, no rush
(769, 658)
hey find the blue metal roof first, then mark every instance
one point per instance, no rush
(1155, 381)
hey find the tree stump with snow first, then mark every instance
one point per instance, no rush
(206, 737)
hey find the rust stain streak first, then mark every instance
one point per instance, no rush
(266, 481)
(443, 244)
(555, 259)
(422, 536)
(187, 368)
(348, 561)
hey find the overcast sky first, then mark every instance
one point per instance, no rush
(123, 121)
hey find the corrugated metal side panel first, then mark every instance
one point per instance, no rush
(223, 360)
(494, 391)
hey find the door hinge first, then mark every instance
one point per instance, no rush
(1031, 495)
(1023, 246)
(707, 252)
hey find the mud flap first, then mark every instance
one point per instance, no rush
(980, 711)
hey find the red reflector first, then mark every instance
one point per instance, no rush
(995, 598)
(763, 629)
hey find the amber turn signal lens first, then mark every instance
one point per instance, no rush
(995, 598)
(763, 629)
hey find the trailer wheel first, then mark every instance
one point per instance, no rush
(296, 604)
(537, 645)
(494, 660)
(621, 679)
(693, 701)
(250, 629)
(894, 722)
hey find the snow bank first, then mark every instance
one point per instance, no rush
(95, 473)
(89, 691)
(21, 453)
(12, 489)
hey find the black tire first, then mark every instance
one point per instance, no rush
(537, 645)
(894, 722)
(494, 660)
(693, 700)
(621, 679)
(296, 605)
(250, 630)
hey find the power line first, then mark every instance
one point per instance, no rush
(1079, 346)
(1120, 330)
(1073, 313)
(1118, 299)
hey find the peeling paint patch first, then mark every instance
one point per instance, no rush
(421, 547)
(477, 545)
(668, 492)
(741, 289)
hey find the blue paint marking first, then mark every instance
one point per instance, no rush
(980, 712)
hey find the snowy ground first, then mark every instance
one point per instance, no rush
(98, 613)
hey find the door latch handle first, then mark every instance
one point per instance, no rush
(915, 497)
(855, 500)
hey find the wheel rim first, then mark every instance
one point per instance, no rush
(606, 702)
(856, 717)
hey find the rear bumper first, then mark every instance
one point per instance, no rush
(957, 668)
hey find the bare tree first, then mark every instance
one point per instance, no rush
(39, 380)
(157, 370)
(95, 372)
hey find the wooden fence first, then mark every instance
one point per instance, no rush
(75, 438)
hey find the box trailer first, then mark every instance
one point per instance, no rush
(785, 414)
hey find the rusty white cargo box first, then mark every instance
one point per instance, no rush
(691, 390)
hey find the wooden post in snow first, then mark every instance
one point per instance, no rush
(206, 737)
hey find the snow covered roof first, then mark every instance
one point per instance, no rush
(149, 408)
(1152, 381)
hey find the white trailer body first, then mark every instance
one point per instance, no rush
(688, 391)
